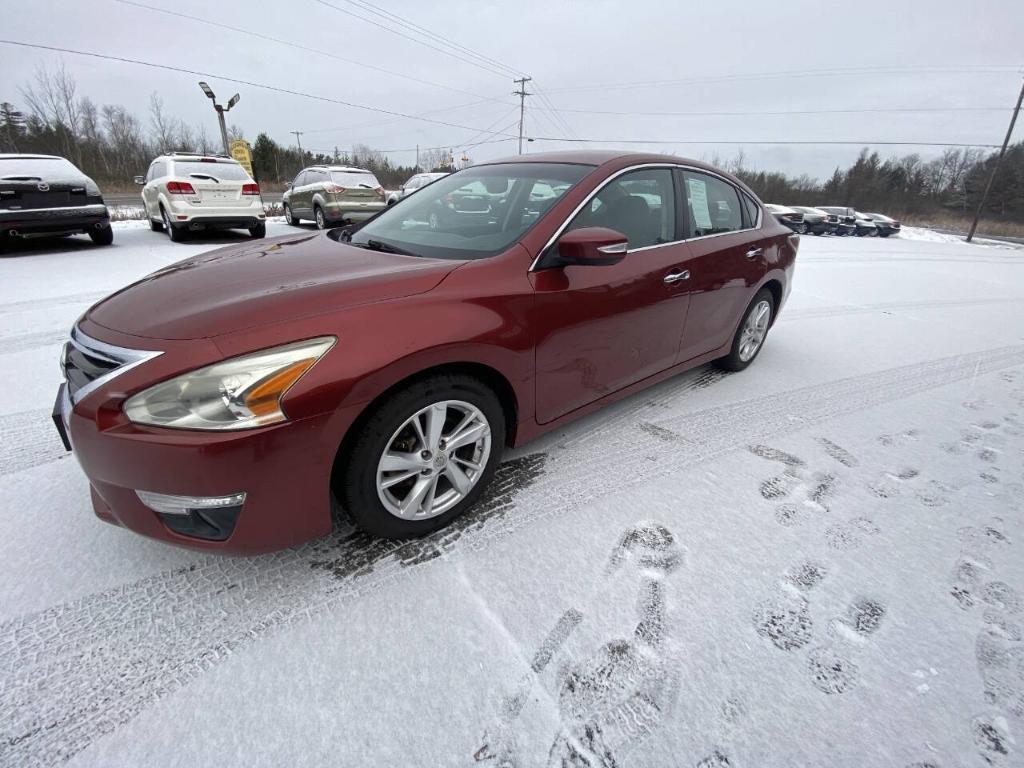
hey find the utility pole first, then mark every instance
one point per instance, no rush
(220, 113)
(522, 93)
(995, 166)
(417, 157)
(299, 142)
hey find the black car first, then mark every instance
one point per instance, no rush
(787, 216)
(44, 195)
(818, 222)
(886, 225)
(847, 219)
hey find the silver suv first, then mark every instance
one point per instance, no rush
(183, 191)
(415, 183)
(333, 194)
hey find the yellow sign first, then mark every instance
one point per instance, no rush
(241, 152)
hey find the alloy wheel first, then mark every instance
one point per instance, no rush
(433, 460)
(755, 328)
(319, 219)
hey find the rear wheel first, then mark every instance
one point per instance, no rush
(318, 216)
(290, 217)
(156, 226)
(750, 336)
(103, 236)
(423, 457)
(176, 235)
(258, 231)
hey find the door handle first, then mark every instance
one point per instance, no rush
(753, 253)
(676, 276)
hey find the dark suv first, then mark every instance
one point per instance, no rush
(44, 195)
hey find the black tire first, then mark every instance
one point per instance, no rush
(319, 218)
(156, 226)
(733, 361)
(355, 474)
(103, 236)
(289, 217)
(260, 230)
(176, 235)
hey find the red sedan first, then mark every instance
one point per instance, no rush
(227, 401)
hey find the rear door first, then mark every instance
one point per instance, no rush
(727, 260)
(602, 328)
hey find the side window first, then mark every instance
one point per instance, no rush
(639, 204)
(752, 209)
(299, 180)
(714, 205)
(151, 173)
(414, 183)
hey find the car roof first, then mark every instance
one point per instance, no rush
(18, 156)
(600, 157)
(348, 168)
(188, 156)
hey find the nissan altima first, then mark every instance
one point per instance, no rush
(239, 400)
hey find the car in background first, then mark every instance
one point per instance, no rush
(242, 400)
(865, 227)
(185, 192)
(472, 204)
(419, 181)
(818, 222)
(46, 195)
(787, 216)
(847, 224)
(333, 195)
(886, 225)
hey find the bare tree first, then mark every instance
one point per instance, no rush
(162, 125)
(53, 99)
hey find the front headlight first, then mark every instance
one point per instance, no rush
(239, 393)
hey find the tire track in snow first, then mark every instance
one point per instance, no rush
(74, 672)
(25, 341)
(814, 313)
(29, 440)
(29, 305)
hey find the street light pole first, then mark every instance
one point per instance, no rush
(220, 113)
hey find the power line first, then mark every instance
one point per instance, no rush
(454, 55)
(719, 141)
(264, 86)
(421, 149)
(373, 123)
(838, 72)
(301, 47)
(787, 111)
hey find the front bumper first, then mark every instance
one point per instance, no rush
(52, 221)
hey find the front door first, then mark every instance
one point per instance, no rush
(602, 328)
(727, 261)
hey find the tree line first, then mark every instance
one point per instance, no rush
(112, 145)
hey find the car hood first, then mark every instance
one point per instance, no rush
(262, 283)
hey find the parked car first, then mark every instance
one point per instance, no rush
(865, 226)
(473, 204)
(886, 225)
(223, 402)
(333, 195)
(185, 192)
(45, 195)
(818, 222)
(414, 183)
(787, 217)
(846, 216)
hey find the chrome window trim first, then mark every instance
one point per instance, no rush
(128, 359)
(670, 166)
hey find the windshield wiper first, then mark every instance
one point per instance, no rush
(378, 245)
(204, 176)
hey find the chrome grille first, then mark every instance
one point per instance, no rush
(87, 363)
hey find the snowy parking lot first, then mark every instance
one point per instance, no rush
(816, 562)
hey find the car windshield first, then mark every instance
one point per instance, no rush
(41, 167)
(474, 213)
(355, 179)
(222, 171)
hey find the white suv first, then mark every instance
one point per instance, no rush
(184, 191)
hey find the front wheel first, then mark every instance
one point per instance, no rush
(750, 336)
(289, 217)
(422, 458)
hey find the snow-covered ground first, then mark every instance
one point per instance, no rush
(819, 561)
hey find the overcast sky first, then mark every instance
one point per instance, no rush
(584, 55)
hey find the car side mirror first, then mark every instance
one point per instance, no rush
(591, 247)
(140, 180)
